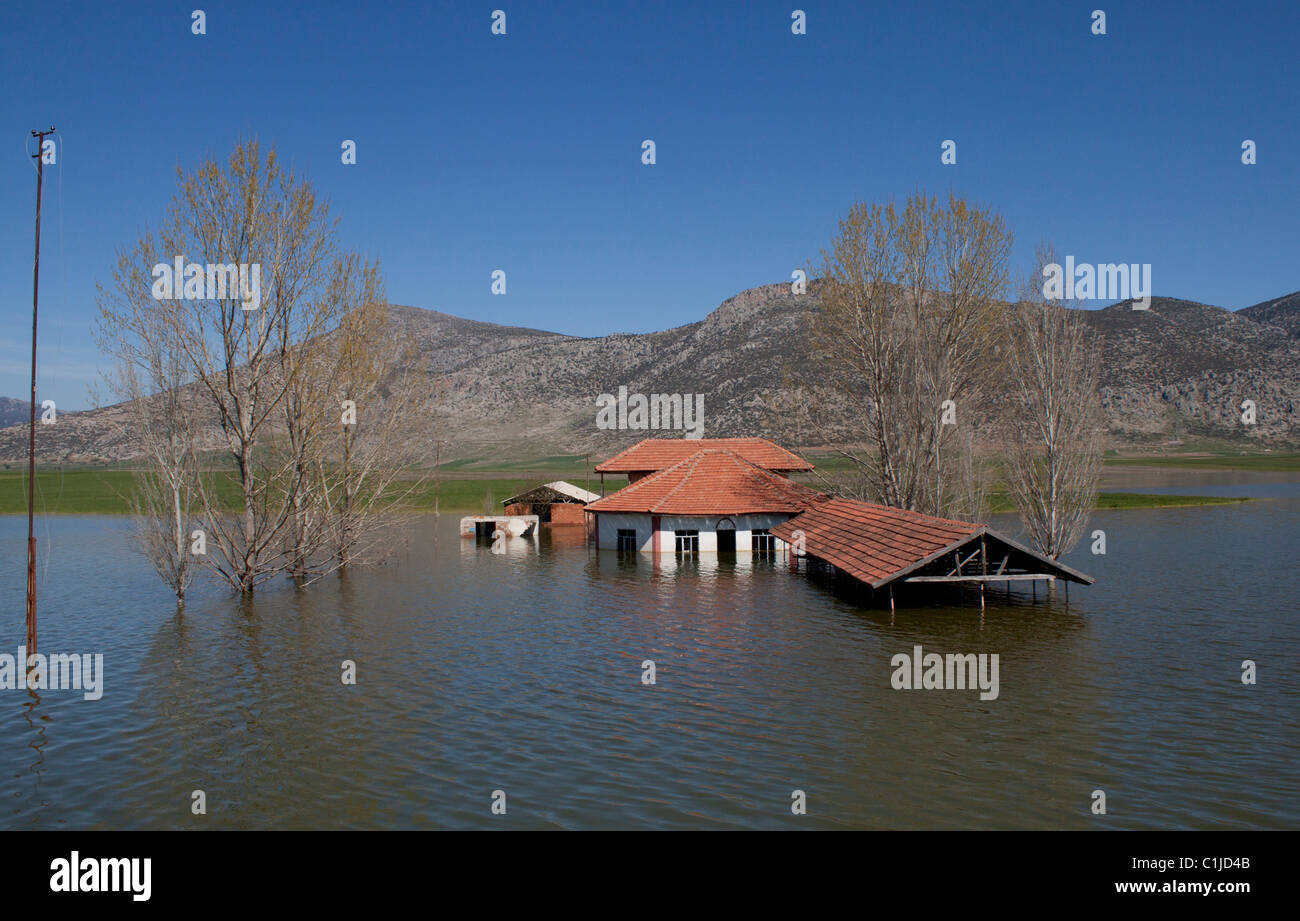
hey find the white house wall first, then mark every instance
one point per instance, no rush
(609, 524)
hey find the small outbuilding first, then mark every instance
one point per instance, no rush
(553, 503)
(483, 527)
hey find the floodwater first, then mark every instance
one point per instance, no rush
(522, 673)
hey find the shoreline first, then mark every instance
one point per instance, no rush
(86, 493)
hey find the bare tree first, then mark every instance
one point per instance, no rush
(150, 381)
(905, 329)
(268, 328)
(251, 215)
(384, 406)
(165, 502)
(1054, 417)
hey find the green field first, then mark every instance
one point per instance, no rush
(107, 492)
(1125, 500)
(81, 491)
(97, 491)
(1120, 500)
(1282, 462)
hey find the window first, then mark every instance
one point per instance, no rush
(688, 541)
(626, 540)
(762, 541)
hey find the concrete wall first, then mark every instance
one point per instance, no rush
(510, 525)
(611, 522)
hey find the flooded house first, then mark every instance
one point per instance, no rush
(715, 495)
(734, 495)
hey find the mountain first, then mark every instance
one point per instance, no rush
(1283, 312)
(13, 411)
(1184, 368)
(1175, 370)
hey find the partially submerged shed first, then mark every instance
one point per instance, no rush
(555, 503)
(881, 547)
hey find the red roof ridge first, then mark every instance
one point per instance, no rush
(739, 481)
(649, 454)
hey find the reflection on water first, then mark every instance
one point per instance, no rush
(521, 671)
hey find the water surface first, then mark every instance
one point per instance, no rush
(521, 672)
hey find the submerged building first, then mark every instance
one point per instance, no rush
(733, 495)
(711, 500)
(552, 503)
(883, 548)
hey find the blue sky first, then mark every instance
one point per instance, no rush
(523, 152)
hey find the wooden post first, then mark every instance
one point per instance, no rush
(891, 598)
(30, 646)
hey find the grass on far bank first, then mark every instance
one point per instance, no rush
(94, 491)
(91, 491)
(1278, 462)
(1134, 500)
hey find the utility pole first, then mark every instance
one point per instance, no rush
(31, 438)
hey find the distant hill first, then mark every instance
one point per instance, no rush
(1283, 312)
(13, 411)
(1183, 368)
(1177, 370)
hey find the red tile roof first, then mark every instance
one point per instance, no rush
(878, 544)
(875, 543)
(712, 481)
(660, 453)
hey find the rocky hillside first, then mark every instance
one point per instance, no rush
(1176, 370)
(13, 411)
(1183, 368)
(1283, 312)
